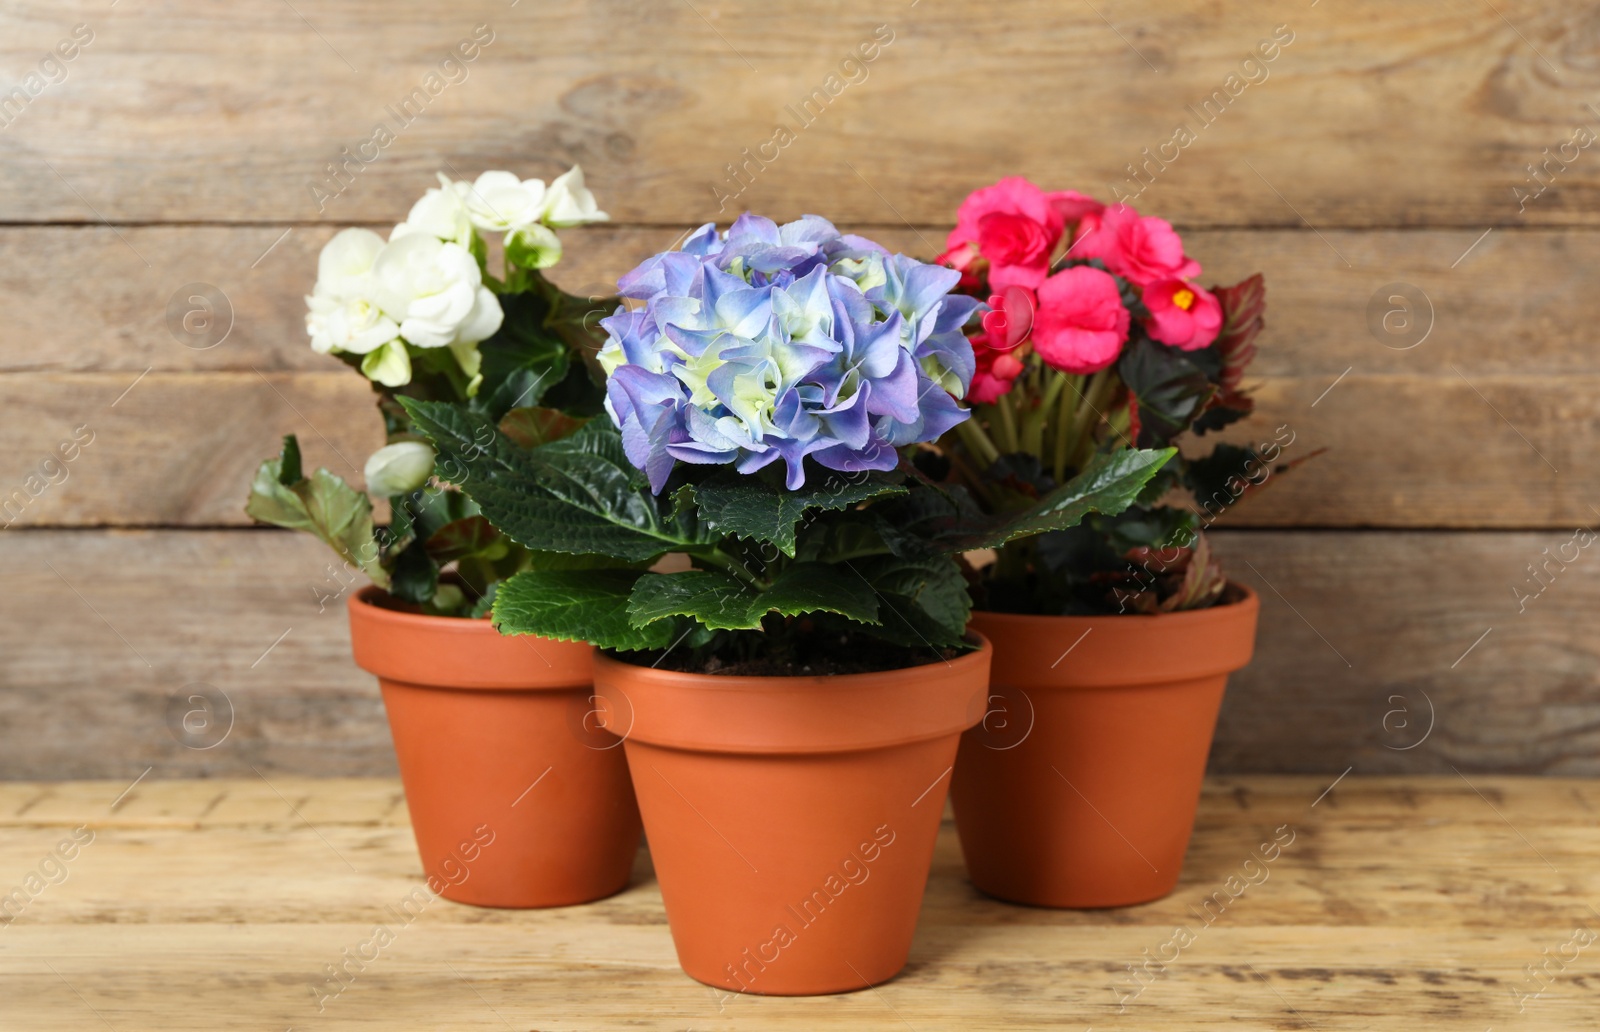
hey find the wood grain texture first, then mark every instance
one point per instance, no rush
(181, 144)
(1375, 114)
(1498, 450)
(121, 625)
(1467, 429)
(1399, 904)
(1518, 302)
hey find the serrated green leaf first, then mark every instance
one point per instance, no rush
(715, 600)
(579, 494)
(751, 507)
(849, 536)
(720, 602)
(921, 602)
(1109, 484)
(577, 605)
(819, 588)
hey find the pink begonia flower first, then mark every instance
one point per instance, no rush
(1072, 206)
(1142, 249)
(1015, 228)
(1017, 247)
(1081, 324)
(1182, 315)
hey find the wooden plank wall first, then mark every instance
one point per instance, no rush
(1384, 144)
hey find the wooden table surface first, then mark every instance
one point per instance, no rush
(1414, 904)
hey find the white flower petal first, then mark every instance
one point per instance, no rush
(569, 203)
(347, 259)
(499, 201)
(439, 213)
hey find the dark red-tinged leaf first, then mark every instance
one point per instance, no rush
(1243, 316)
(460, 538)
(1203, 580)
(1243, 308)
(531, 427)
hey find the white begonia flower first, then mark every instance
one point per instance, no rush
(342, 312)
(499, 202)
(353, 323)
(435, 291)
(567, 202)
(346, 260)
(440, 213)
(399, 468)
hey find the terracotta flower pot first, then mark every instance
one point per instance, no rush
(792, 819)
(515, 800)
(1079, 788)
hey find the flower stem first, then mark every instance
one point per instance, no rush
(977, 442)
(1008, 424)
(1073, 387)
(1101, 386)
(1034, 422)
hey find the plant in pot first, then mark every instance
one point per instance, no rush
(791, 701)
(514, 800)
(1114, 638)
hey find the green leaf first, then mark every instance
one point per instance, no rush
(425, 511)
(522, 360)
(1159, 527)
(751, 507)
(921, 602)
(715, 600)
(579, 494)
(720, 602)
(415, 576)
(819, 588)
(289, 472)
(577, 605)
(1109, 484)
(1170, 388)
(571, 561)
(852, 535)
(324, 505)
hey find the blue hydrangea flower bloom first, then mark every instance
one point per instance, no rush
(781, 342)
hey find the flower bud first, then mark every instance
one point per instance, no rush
(399, 468)
(534, 246)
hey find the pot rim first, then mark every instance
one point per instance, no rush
(459, 653)
(1129, 650)
(817, 681)
(793, 715)
(367, 597)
